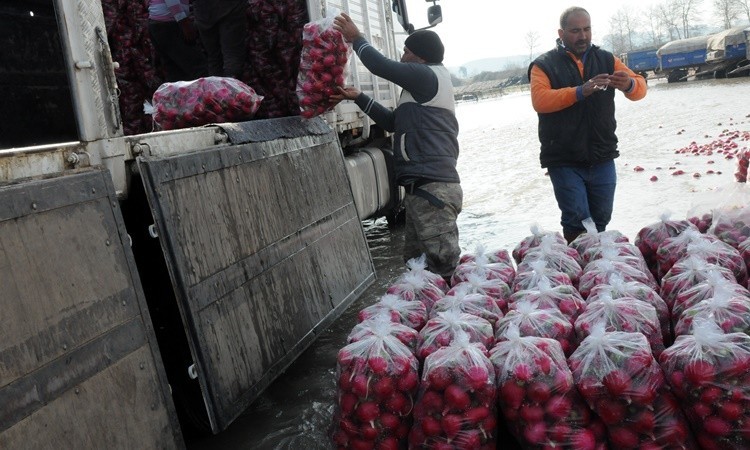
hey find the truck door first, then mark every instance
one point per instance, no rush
(264, 248)
(79, 364)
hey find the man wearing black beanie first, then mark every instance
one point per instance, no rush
(425, 140)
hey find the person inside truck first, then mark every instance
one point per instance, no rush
(173, 34)
(570, 93)
(425, 140)
(222, 26)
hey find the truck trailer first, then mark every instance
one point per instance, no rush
(163, 279)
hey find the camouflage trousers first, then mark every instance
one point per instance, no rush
(432, 230)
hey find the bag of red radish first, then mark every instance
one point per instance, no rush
(612, 250)
(731, 313)
(462, 300)
(377, 383)
(651, 236)
(418, 267)
(556, 256)
(709, 372)
(184, 104)
(532, 321)
(483, 267)
(693, 242)
(705, 290)
(538, 271)
(537, 396)
(414, 287)
(441, 331)
(731, 216)
(407, 335)
(529, 242)
(493, 256)
(623, 384)
(593, 238)
(496, 289)
(323, 66)
(564, 298)
(685, 274)
(455, 407)
(601, 271)
(618, 288)
(624, 314)
(411, 313)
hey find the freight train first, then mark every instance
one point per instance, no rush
(154, 280)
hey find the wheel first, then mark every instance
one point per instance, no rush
(396, 218)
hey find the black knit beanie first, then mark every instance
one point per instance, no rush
(427, 45)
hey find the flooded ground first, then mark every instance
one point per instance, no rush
(505, 192)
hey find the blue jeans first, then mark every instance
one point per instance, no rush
(583, 192)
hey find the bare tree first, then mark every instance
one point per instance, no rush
(669, 18)
(727, 11)
(688, 12)
(656, 29)
(743, 7)
(532, 39)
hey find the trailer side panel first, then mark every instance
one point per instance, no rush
(265, 249)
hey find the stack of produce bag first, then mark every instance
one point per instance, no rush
(709, 372)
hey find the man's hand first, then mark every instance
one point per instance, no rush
(620, 80)
(347, 93)
(597, 83)
(346, 26)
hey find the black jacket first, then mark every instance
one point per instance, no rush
(584, 133)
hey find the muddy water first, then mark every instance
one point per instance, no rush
(505, 192)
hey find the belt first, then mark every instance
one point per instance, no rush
(415, 189)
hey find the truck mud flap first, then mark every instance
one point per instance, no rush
(79, 364)
(265, 250)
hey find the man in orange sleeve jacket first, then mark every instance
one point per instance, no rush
(573, 91)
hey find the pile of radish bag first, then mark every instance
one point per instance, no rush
(597, 344)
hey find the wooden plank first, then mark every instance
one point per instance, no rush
(73, 309)
(264, 246)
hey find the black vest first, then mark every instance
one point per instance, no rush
(582, 134)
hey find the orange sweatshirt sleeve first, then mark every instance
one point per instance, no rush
(544, 99)
(639, 83)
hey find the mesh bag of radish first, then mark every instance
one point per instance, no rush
(622, 383)
(377, 382)
(537, 396)
(709, 372)
(651, 236)
(322, 66)
(444, 328)
(530, 320)
(593, 238)
(455, 407)
(411, 313)
(183, 104)
(533, 240)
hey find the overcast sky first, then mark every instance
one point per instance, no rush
(476, 29)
